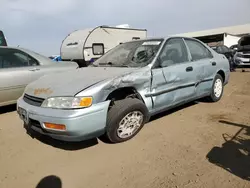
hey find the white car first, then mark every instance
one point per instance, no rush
(242, 56)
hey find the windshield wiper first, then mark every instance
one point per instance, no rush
(113, 65)
(122, 66)
(109, 63)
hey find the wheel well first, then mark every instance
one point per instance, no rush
(81, 63)
(222, 74)
(123, 93)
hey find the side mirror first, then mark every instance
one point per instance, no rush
(98, 48)
(166, 63)
(162, 64)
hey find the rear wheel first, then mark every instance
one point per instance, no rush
(125, 119)
(217, 89)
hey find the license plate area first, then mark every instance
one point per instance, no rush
(23, 115)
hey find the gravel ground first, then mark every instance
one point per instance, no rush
(197, 145)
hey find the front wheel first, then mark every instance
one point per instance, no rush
(125, 119)
(217, 89)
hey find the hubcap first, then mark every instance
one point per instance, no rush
(218, 88)
(130, 124)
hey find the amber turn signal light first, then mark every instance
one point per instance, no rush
(86, 102)
(55, 126)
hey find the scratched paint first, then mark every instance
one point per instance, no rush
(46, 91)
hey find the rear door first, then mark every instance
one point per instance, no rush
(16, 71)
(204, 62)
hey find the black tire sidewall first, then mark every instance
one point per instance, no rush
(212, 96)
(116, 114)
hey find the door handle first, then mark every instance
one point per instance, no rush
(213, 63)
(188, 69)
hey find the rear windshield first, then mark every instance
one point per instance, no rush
(2, 39)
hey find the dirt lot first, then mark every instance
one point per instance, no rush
(198, 145)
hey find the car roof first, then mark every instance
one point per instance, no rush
(145, 39)
(10, 47)
(165, 38)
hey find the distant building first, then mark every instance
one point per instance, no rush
(221, 36)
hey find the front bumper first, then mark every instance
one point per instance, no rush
(241, 61)
(81, 124)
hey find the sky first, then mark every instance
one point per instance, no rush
(41, 25)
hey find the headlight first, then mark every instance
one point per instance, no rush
(67, 102)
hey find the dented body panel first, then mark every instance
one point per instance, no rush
(159, 87)
(72, 82)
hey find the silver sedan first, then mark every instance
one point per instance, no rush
(19, 67)
(119, 92)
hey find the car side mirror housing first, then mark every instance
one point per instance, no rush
(98, 48)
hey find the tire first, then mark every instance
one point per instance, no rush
(117, 113)
(216, 94)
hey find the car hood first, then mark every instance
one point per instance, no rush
(71, 82)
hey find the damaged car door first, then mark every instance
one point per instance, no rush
(173, 76)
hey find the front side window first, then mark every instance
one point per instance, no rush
(2, 39)
(173, 52)
(198, 51)
(11, 58)
(131, 54)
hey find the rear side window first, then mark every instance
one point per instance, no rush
(12, 58)
(198, 51)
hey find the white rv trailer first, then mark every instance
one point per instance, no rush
(78, 45)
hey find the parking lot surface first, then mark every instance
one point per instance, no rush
(197, 145)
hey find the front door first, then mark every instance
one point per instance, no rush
(16, 71)
(174, 77)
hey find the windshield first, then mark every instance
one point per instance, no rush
(130, 54)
